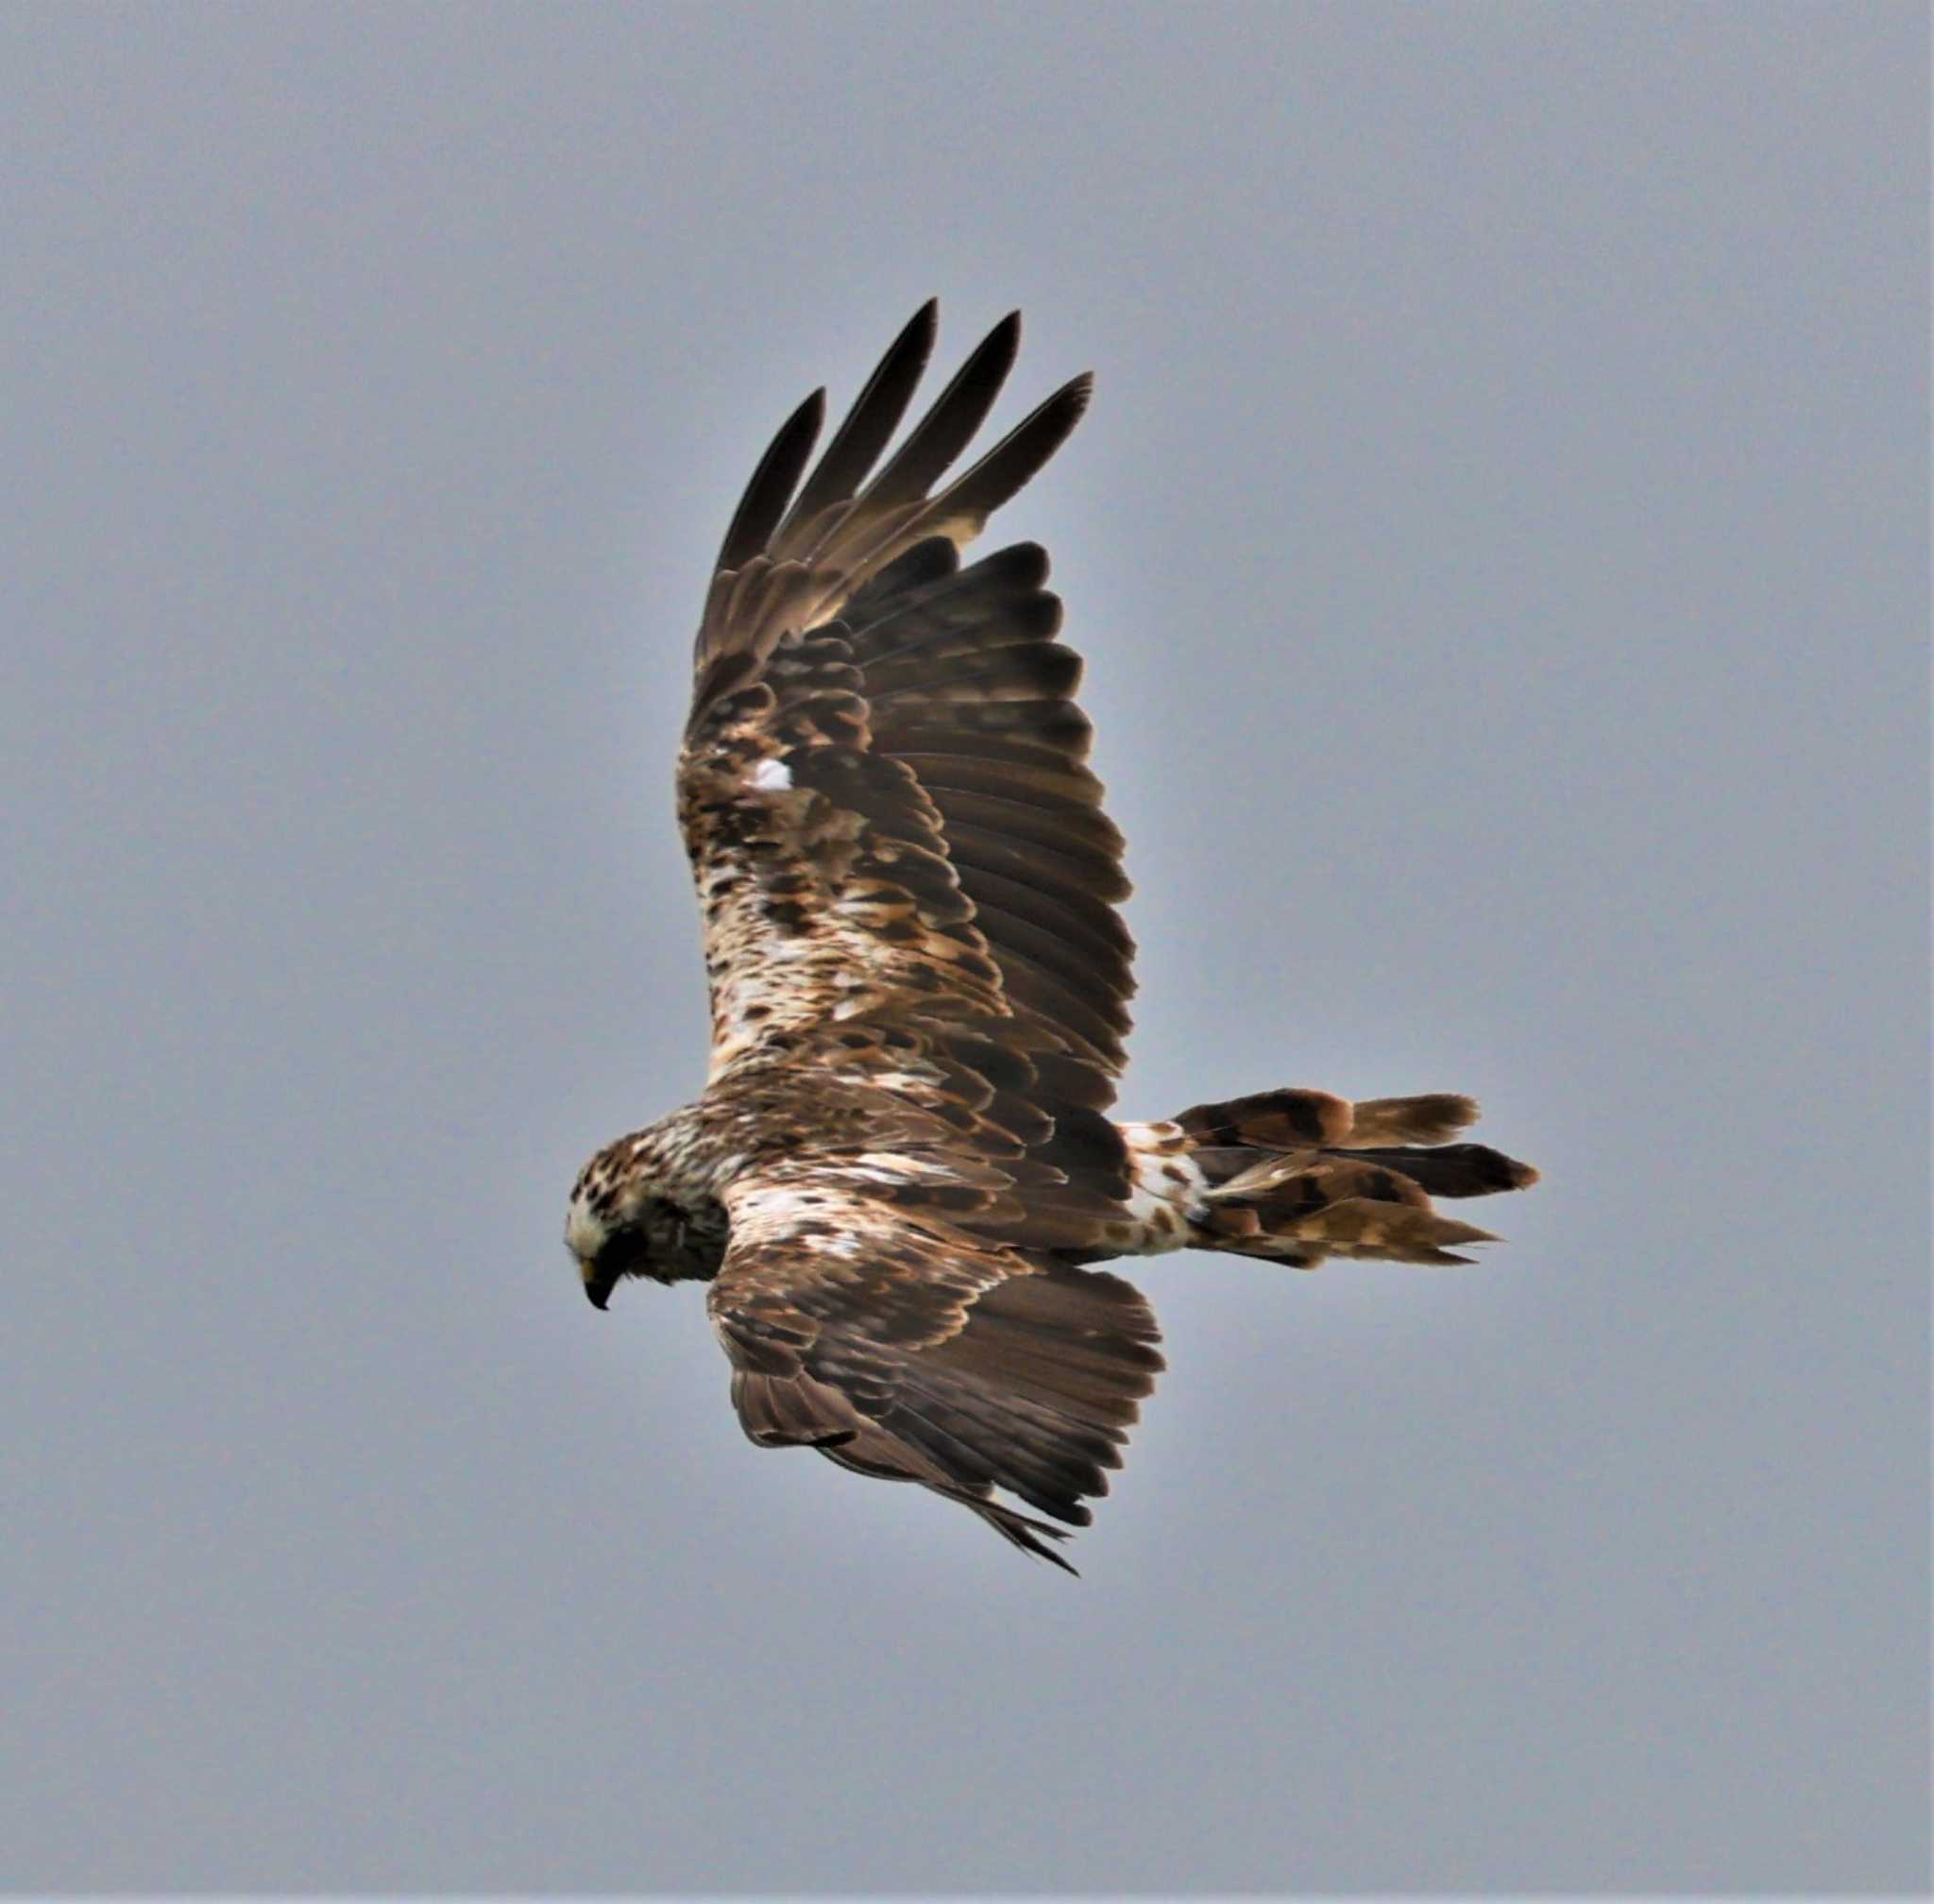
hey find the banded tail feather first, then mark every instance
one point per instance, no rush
(1299, 1176)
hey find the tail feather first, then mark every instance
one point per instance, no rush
(1455, 1169)
(1270, 1120)
(1296, 1177)
(1434, 1118)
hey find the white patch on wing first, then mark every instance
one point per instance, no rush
(899, 1080)
(894, 1166)
(773, 1208)
(822, 1219)
(770, 776)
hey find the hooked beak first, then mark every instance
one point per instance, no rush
(597, 1285)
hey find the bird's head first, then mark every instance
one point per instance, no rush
(621, 1222)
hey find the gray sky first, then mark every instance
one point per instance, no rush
(1499, 541)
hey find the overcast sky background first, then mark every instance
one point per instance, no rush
(1499, 544)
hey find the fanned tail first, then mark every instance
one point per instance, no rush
(1299, 1176)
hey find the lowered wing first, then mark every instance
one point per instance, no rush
(864, 1318)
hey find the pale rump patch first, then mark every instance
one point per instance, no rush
(770, 776)
(1166, 1184)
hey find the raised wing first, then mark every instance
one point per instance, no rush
(867, 1314)
(883, 787)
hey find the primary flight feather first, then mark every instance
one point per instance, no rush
(904, 1159)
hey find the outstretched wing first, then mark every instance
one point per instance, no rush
(883, 788)
(861, 1318)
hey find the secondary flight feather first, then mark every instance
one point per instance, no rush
(904, 1161)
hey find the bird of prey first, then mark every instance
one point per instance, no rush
(904, 1161)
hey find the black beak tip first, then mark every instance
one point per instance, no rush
(598, 1291)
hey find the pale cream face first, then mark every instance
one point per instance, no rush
(585, 1231)
(600, 1203)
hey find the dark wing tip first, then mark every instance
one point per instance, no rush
(772, 482)
(1071, 402)
(868, 427)
(940, 436)
(1018, 456)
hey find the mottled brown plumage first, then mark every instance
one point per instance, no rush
(903, 1160)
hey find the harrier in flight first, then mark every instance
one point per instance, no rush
(905, 1160)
